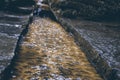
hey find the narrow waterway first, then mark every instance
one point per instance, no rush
(48, 52)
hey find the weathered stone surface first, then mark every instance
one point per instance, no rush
(11, 26)
(90, 9)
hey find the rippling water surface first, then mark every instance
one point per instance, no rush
(47, 52)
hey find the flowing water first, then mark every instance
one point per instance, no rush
(48, 52)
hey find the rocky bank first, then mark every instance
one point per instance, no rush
(13, 20)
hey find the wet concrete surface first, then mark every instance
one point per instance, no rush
(48, 52)
(100, 41)
(11, 26)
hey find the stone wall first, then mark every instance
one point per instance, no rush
(13, 22)
(90, 9)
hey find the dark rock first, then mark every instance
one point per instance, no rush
(88, 9)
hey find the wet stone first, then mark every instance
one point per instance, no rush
(11, 26)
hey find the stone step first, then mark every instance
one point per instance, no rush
(11, 26)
